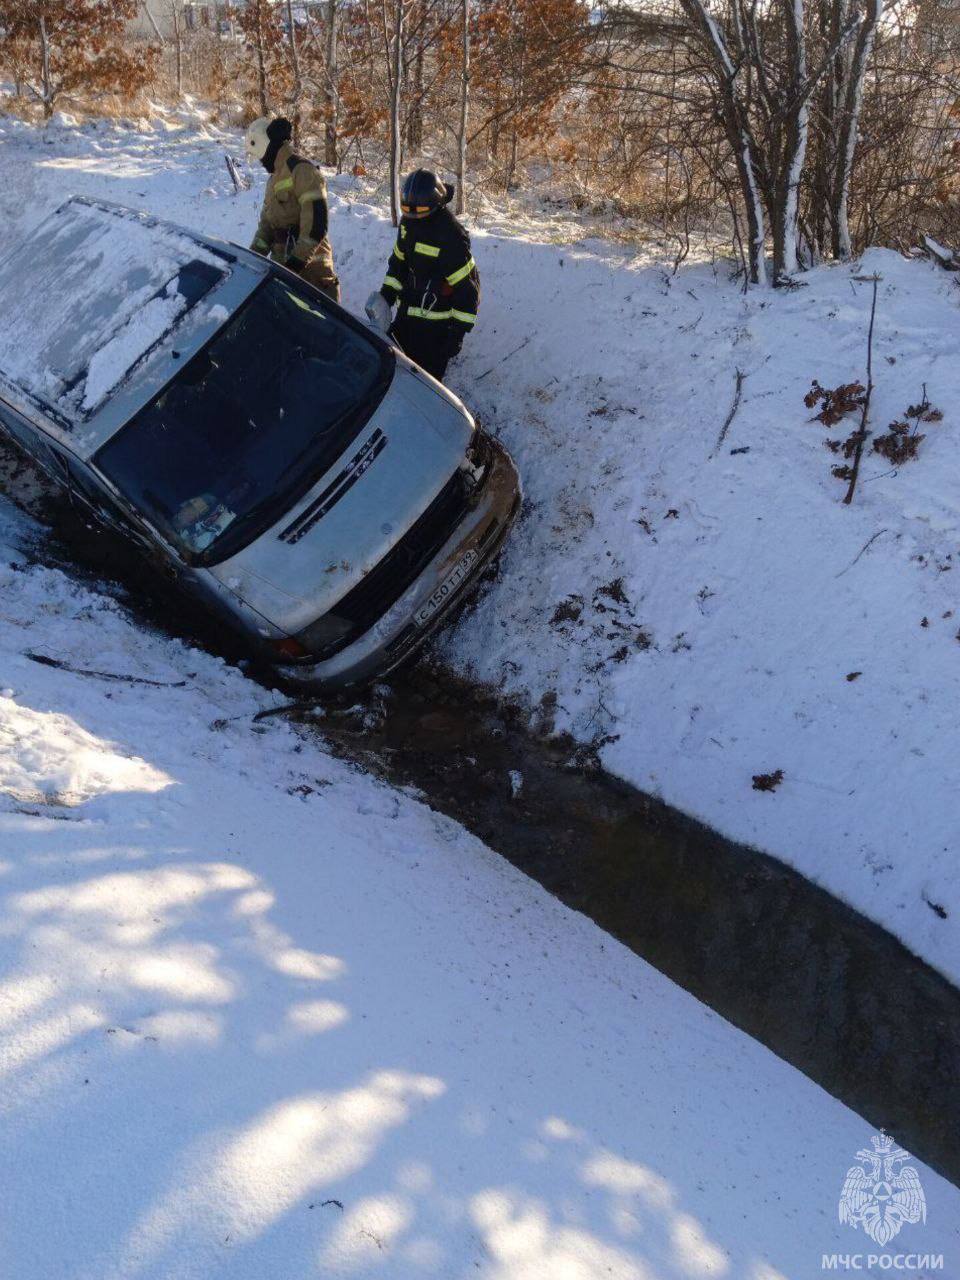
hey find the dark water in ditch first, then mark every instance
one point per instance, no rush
(821, 986)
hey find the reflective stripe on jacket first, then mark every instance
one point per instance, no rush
(432, 273)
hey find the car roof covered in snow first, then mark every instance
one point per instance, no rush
(90, 304)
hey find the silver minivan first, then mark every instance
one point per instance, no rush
(270, 452)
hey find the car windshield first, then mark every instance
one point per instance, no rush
(249, 424)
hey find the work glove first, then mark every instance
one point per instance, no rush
(293, 263)
(379, 311)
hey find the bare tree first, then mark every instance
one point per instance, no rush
(175, 9)
(793, 143)
(255, 21)
(396, 88)
(464, 107)
(331, 94)
(296, 92)
(153, 23)
(46, 81)
(415, 112)
(849, 100)
(756, 64)
(727, 79)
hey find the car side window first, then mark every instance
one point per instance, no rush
(81, 483)
(19, 430)
(65, 469)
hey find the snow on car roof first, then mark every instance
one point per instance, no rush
(87, 294)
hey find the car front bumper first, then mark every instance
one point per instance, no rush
(397, 634)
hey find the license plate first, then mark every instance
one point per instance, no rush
(446, 589)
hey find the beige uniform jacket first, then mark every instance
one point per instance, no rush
(293, 220)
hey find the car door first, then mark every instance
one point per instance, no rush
(84, 487)
(20, 431)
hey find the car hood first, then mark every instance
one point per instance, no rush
(358, 510)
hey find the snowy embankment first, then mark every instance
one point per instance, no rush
(707, 611)
(261, 1015)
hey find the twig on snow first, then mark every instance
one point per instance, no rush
(240, 182)
(286, 709)
(864, 416)
(504, 360)
(869, 543)
(738, 388)
(46, 661)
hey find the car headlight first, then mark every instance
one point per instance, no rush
(321, 639)
(325, 636)
(477, 459)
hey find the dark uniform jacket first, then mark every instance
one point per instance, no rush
(433, 275)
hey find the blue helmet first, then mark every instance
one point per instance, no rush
(422, 193)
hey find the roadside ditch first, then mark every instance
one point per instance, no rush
(817, 983)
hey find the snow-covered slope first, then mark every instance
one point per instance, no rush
(262, 1016)
(707, 612)
(717, 611)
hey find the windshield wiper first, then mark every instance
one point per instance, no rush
(288, 487)
(283, 497)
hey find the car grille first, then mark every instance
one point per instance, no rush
(348, 477)
(401, 566)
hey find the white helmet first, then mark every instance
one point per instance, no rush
(256, 140)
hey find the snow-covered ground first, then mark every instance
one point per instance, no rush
(706, 611)
(263, 1016)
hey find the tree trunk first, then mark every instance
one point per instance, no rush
(793, 147)
(461, 205)
(331, 93)
(750, 191)
(218, 56)
(396, 141)
(45, 70)
(261, 66)
(153, 22)
(832, 19)
(519, 91)
(297, 79)
(177, 45)
(852, 99)
(415, 119)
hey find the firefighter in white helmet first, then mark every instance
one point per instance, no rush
(294, 219)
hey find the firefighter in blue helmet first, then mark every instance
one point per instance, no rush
(431, 274)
